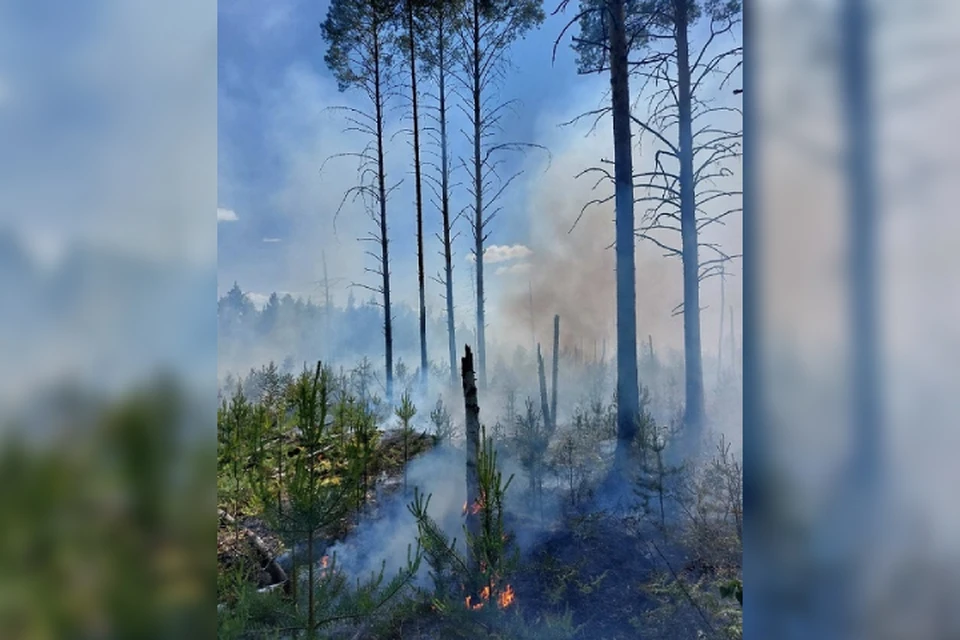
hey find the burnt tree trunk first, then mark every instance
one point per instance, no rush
(472, 422)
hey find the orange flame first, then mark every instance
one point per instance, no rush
(475, 509)
(324, 565)
(506, 597)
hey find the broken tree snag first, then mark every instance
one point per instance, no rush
(556, 368)
(472, 409)
(544, 406)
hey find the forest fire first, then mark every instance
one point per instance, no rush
(477, 506)
(504, 599)
(324, 565)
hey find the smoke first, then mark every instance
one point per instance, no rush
(382, 539)
(384, 536)
(571, 270)
(571, 273)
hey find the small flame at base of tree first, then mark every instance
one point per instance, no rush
(475, 509)
(506, 598)
(503, 599)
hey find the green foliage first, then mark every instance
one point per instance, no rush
(656, 480)
(403, 376)
(575, 456)
(316, 494)
(691, 608)
(591, 45)
(437, 22)
(406, 411)
(490, 547)
(706, 594)
(529, 446)
(106, 519)
(646, 23)
(358, 33)
(338, 603)
(361, 448)
(462, 586)
(325, 446)
(712, 502)
(442, 422)
(732, 589)
(232, 451)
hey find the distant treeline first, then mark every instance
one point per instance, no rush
(292, 331)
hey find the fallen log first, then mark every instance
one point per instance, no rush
(268, 562)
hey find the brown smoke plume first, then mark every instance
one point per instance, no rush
(572, 272)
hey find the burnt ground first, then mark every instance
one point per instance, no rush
(591, 564)
(594, 568)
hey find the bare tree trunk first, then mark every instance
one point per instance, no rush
(419, 192)
(478, 198)
(556, 370)
(384, 244)
(472, 422)
(693, 363)
(445, 203)
(628, 391)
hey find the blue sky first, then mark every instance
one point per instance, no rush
(275, 131)
(273, 85)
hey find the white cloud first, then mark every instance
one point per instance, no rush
(226, 215)
(502, 253)
(271, 240)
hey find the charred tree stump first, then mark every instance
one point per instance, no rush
(472, 410)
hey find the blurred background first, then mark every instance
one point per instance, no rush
(108, 345)
(108, 178)
(851, 309)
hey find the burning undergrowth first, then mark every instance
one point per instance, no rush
(531, 549)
